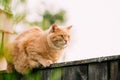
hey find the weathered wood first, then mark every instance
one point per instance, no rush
(98, 71)
(87, 61)
(115, 70)
(75, 73)
(103, 68)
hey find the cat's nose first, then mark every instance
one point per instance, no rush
(65, 41)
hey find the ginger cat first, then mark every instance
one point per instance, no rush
(36, 47)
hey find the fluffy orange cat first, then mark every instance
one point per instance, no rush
(36, 47)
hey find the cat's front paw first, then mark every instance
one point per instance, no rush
(47, 63)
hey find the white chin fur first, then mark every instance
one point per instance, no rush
(65, 46)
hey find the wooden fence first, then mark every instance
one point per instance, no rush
(102, 68)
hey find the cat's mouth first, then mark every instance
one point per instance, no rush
(61, 44)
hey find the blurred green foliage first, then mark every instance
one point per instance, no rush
(56, 74)
(5, 5)
(2, 45)
(49, 18)
(45, 74)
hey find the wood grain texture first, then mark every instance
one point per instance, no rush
(98, 71)
(75, 73)
(115, 70)
(107, 68)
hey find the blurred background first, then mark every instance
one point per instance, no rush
(95, 31)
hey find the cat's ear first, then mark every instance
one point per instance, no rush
(69, 27)
(54, 27)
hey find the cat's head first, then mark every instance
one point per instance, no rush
(58, 37)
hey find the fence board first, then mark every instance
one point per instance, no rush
(103, 68)
(75, 73)
(115, 70)
(98, 71)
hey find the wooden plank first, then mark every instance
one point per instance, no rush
(103, 68)
(98, 71)
(115, 70)
(65, 73)
(86, 61)
(45, 74)
(75, 73)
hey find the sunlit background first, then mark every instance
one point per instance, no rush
(96, 27)
(96, 23)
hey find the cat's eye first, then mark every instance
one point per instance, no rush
(68, 36)
(61, 35)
